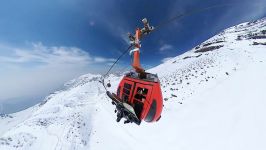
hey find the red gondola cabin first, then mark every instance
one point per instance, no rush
(143, 95)
(138, 95)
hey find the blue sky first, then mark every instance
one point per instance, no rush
(45, 43)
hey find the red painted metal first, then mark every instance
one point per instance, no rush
(141, 90)
(136, 54)
(154, 94)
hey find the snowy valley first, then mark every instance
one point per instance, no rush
(214, 99)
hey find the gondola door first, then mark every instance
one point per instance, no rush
(141, 96)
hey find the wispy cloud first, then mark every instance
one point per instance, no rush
(165, 47)
(47, 55)
(38, 70)
(39, 53)
(103, 60)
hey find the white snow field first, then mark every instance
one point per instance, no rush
(214, 99)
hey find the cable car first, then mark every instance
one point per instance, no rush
(138, 96)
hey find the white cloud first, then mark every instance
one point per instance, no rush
(39, 53)
(166, 59)
(38, 70)
(103, 60)
(47, 55)
(165, 47)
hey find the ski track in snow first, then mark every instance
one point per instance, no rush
(214, 98)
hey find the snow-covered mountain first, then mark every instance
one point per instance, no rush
(214, 98)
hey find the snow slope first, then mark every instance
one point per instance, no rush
(214, 98)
